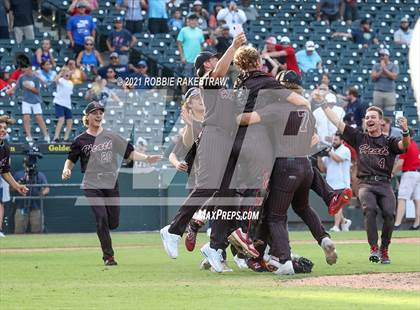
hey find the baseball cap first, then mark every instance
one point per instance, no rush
(202, 58)
(192, 92)
(285, 40)
(271, 40)
(384, 51)
(192, 16)
(81, 4)
(93, 106)
(404, 19)
(198, 2)
(114, 54)
(118, 19)
(331, 98)
(225, 27)
(310, 46)
(142, 63)
(289, 79)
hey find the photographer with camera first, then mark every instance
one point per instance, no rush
(28, 211)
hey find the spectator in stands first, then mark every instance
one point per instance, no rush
(364, 35)
(120, 40)
(78, 76)
(287, 50)
(101, 93)
(389, 130)
(176, 21)
(114, 62)
(308, 59)
(326, 129)
(272, 65)
(91, 5)
(250, 10)
(189, 41)
(201, 13)
(21, 16)
(80, 26)
(232, 16)
(4, 22)
(133, 13)
(43, 53)
(4, 84)
(89, 59)
(213, 17)
(383, 76)
(30, 85)
(158, 17)
(62, 101)
(404, 34)
(409, 164)
(46, 74)
(350, 11)
(28, 211)
(111, 79)
(330, 10)
(337, 168)
(140, 73)
(355, 108)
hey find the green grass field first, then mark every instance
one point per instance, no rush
(66, 272)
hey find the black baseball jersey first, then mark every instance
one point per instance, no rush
(375, 155)
(99, 154)
(4, 158)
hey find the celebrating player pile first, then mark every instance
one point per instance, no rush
(276, 135)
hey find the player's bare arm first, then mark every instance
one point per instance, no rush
(332, 116)
(405, 142)
(223, 64)
(138, 156)
(68, 166)
(20, 188)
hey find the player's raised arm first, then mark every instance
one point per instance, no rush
(224, 62)
(333, 118)
(405, 142)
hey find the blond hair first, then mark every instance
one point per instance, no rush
(85, 120)
(246, 58)
(7, 119)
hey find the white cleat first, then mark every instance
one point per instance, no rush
(240, 262)
(2, 235)
(335, 229)
(214, 257)
(329, 249)
(346, 225)
(170, 242)
(278, 268)
(225, 267)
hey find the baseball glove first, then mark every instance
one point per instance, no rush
(302, 265)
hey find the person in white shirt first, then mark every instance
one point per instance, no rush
(232, 16)
(62, 101)
(308, 59)
(337, 168)
(404, 34)
(325, 128)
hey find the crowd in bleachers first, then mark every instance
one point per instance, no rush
(344, 40)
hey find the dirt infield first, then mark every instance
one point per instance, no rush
(391, 281)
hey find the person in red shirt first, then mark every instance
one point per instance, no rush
(286, 49)
(409, 189)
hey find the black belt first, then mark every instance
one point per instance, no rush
(375, 178)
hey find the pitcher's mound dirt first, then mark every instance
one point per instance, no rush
(397, 281)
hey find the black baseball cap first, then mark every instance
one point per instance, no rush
(289, 78)
(93, 106)
(202, 58)
(192, 92)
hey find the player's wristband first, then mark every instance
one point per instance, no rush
(406, 133)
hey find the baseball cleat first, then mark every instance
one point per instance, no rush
(346, 225)
(240, 262)
(214, 257)
(190, 239)
(2, 235)
(329, 249)
(384, 256)
(257, 265)
(278, 268)
(374, 254)
(170, 242)
(225, 267)
(339, 201)
(244, 246)
(335, 229)
(110, 261)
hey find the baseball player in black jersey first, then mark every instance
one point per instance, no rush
(5, 164)
(375, 159)
(212, 151)
(99, 151)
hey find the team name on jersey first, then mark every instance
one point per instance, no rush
(369, 150)
(92, 148)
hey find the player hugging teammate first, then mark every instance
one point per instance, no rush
(249, 151)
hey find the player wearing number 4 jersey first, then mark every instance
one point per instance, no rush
(100, 153)
(375, 159)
